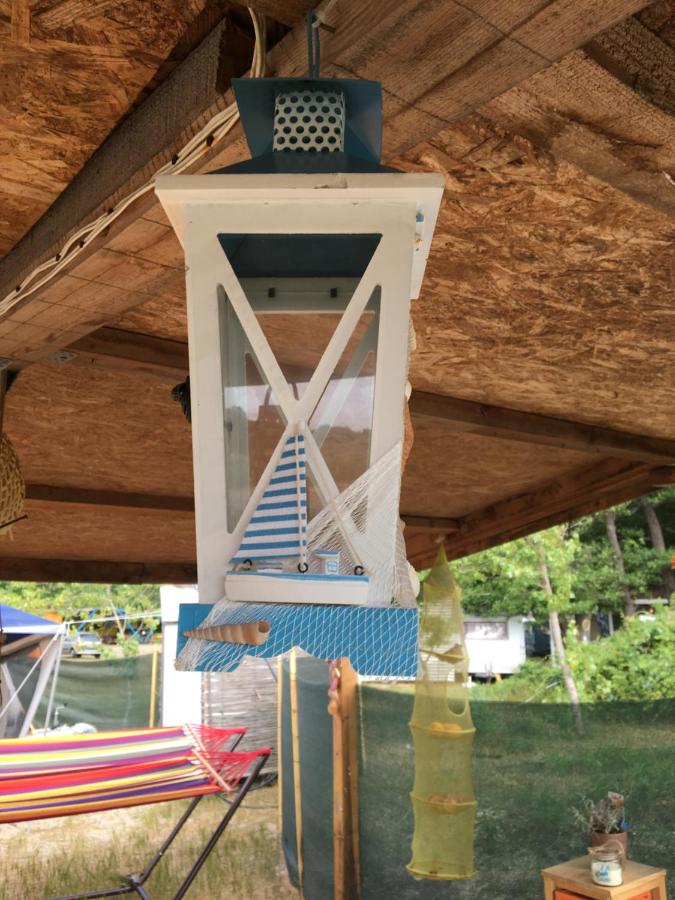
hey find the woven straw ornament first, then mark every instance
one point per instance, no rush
(12, 486)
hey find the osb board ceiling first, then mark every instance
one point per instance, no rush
(455, 474)
(65, 88)
(65, 533)
(546, 290)
(78, 427)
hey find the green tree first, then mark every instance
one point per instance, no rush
(71, 599)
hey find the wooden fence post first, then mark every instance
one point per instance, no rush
(343, 708)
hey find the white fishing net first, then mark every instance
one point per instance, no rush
(362, 524)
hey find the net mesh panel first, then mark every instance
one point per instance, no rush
(378, 641)
(442, 729)
(15, 669)
(315, 730)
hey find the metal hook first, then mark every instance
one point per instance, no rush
(313, 44)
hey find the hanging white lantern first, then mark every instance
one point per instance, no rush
(301, 264)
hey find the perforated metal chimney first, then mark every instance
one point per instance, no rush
(307, 125)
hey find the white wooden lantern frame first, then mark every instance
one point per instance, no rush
(402, 208)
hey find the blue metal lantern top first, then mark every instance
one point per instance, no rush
(309, 125)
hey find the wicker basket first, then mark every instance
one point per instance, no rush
(12, 486)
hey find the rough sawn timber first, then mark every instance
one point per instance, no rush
(464, 56)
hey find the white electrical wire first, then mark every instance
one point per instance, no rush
(213, 132)
(134, 617)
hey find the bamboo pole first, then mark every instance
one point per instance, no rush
(346, 851)
(280, 755)
(153, 689)
(297, 787)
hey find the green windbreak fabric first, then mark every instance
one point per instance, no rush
(530, 768)
(108, 694)
(315, 730)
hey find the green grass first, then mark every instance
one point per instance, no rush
(58, 856)
(530, 769)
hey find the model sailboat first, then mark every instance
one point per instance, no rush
(273, 563)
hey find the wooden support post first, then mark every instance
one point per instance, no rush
(297, 785)
(280, 754)
(343, 708)
(153, 689)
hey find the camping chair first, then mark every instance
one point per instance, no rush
(62, 776)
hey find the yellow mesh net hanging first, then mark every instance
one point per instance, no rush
(442, 796)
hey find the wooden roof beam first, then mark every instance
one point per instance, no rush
(532, 428)
(133, 353)
(576, 494)
(93, 571)
(40, 495)
(581, 113)
(127, 351)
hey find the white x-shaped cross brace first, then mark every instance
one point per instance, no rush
(298, 411)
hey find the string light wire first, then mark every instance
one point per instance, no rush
(212, 133)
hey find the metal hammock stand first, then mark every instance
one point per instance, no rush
(56, 776)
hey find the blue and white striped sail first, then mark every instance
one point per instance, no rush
(278, 527)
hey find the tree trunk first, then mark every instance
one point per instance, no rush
(610, 521)
(658, 543)
(111, 601)
(557, 640)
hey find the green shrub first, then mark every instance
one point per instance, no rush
(636, 664)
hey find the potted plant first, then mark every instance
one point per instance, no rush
(604, 820)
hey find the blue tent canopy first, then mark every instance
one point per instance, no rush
(17, 622)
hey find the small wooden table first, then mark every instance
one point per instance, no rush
(575, 876)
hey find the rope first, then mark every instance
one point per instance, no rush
(213, 132)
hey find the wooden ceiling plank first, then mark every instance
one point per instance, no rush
(127, 351)
(583, 114)
(431, 523)
(143, 141)
(45, 494)
(288, 12)
(496, 525)
(638, 58)
(513, 425)
(558, 494)
(20, 21)
(3, 394)
(91, 571)
(191, 93)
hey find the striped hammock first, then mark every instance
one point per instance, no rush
(43, 777)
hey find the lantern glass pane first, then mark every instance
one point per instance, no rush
(254, 421)
(298, 341)
(343, 419)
